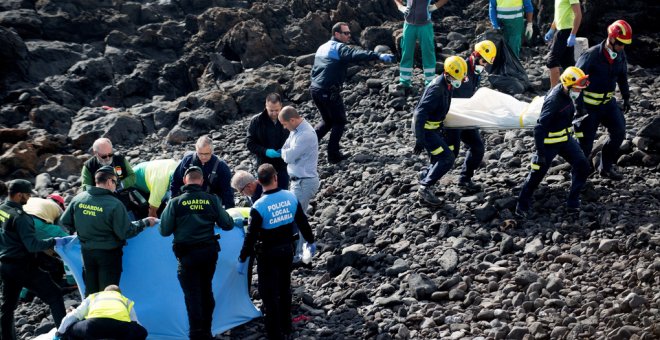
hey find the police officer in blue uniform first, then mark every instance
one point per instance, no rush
(269, 235)
(607, 66)
(484, 53)
(328, 75)
(427, 126)
(191, 217)
(553, 135)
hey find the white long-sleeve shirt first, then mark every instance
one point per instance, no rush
(301, 152)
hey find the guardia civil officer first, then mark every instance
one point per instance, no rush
(191, 216)
(103, 227)
(271, 226)
(18, 262)
(553, 135)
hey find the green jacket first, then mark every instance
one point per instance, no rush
(100, 220)
(192, 216)
(44, 230)
(17, 234)
(124, 171)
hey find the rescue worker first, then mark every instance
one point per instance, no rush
(218, 174)
(427, 126)
(102, 224)
(265, 138)
(417, 26)
(18, 262)
(104, 156)
(607, 66)
(153, 178)
(507, 15)
(103, 315)
(328, 75)
(553, 135)
(191, 217)
(568, 16)
(484, 54)
(270, 228)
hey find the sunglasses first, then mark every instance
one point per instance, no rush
(346, 33)
(106, 156)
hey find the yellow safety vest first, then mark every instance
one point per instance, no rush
(110, 305)
(594, 98)
(509, 9)
(558, 136)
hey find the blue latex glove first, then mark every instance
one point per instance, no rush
(238, 222)
(62, 241)
(312, 248)
(387, 58)
(570, 42)
(241, 267)
(270, 153)
(56, 337)
(549, 35)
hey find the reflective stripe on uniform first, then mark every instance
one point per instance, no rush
(555, 140)
(535, 166)
(451, 147)
(429, 125)
(437, 151)
(405, 69)
(579, 134)
(594, 98)
(509, 16)
(557, 133)
(405, 76)
(429, 70)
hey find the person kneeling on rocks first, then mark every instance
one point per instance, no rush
(553, 135)
(103, 315)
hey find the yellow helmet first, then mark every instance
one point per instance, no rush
(456, 67)
(574, 77)
(486, 50)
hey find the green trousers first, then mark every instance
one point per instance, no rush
(512, 30)
(412, 34)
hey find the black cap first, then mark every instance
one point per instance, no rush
(107, 169)
(194, 168)
(20, 186)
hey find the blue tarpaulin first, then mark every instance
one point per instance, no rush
(150, 279)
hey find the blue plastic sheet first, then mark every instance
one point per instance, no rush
(149, 279)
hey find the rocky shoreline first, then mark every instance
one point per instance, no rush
(152, 76)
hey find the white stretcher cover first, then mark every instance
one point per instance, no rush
(490, 109)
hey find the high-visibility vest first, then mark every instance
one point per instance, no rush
(509, 9)
(110, 305)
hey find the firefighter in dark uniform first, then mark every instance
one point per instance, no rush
(607, 66)
(18, 262)
(484, 53)
(102, 224)
(191, 217)
(427, 126)
(270, 228)
(553, 135)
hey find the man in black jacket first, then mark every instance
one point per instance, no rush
(328, 74)
(265, 137)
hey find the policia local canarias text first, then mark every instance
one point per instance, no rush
(280, 212)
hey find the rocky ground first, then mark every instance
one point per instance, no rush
(152, 76)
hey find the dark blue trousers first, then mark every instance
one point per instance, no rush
(333, 115)
(572, 153)
(612, 118)
(442, 158)
(474, 153)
